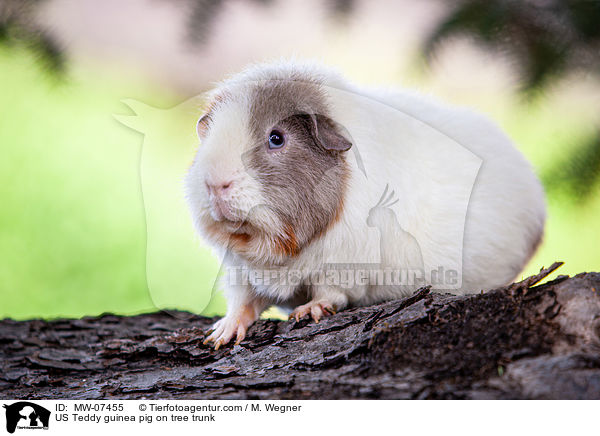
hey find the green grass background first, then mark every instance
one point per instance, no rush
(72, 219)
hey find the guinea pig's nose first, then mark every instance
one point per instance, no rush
(219, 188)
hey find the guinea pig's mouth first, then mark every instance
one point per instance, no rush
(252, 240)
(235, 226)
(222, 211)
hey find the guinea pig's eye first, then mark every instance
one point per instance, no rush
(276, 139)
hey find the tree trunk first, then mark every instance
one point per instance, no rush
(520, 341)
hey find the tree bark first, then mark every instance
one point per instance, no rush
(521, 341)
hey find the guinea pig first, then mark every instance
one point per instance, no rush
(320, 194)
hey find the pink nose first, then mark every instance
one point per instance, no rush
(220, 188)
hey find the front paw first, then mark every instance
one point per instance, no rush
(231, 325)
(223, 331)
(316, 309)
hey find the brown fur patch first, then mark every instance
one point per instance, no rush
(288, 244)
(238, 242)
(305, 182)
(339, 211)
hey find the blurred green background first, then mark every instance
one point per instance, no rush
(73, 221)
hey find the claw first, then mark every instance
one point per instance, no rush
(329, 309)
(316, 309)
(316, 313)
(231, 325)
(241, 334)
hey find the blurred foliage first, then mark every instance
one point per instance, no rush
(202, 15)
(577, 174)
(19, 26)
(548, 39)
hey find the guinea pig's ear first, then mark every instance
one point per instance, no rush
(202, 125)
(213, 99)
(329, 134)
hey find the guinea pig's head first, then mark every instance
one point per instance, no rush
(270, 174)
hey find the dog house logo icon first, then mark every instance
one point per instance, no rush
(26, 415)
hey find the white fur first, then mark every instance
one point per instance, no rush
(467, 199)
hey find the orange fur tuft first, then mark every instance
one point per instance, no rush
(288, 244)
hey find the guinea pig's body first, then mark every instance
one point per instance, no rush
(380, 191)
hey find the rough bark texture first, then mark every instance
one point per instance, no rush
(517, 342)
